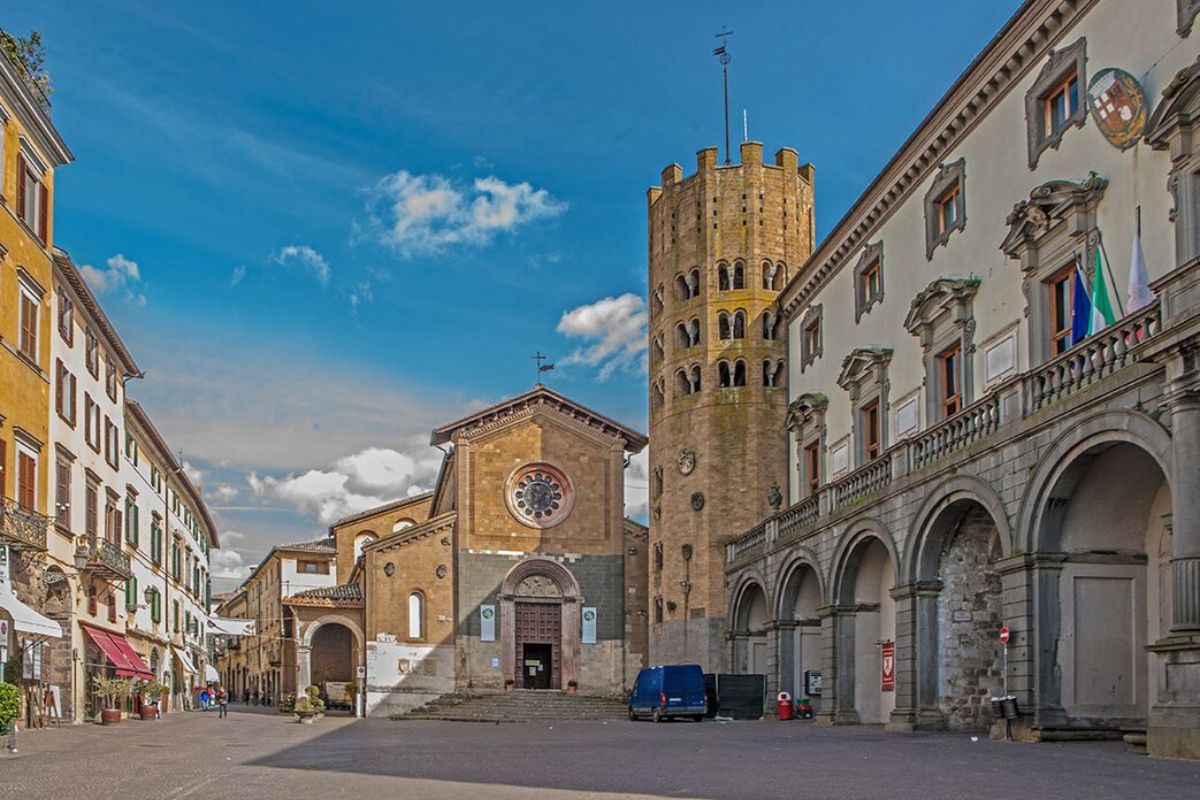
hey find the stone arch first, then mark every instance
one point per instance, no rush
(864, 529)
(1101, 428)
(866, 570)
(541, 581)
(1095, 513)
(800, 592)
(304, 653)
(921, 552)
(752, 619)
(957, 538)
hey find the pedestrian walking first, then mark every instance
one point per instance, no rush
(204, 698)
(222, 703)
(245, 697)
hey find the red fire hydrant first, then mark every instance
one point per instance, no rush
(785, 706)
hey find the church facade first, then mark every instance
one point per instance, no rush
(518, 571)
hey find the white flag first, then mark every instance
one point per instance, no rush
(1139, 281)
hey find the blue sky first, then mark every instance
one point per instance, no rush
(354, 221)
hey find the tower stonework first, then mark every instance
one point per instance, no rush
(722, 244)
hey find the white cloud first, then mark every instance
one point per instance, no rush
(637, 487)
(615, 328)
(353, 483)
(225, 562)
(416, 214)
(361, 293)
(306, 257)
(224, 493)
(239, 272)
(194, 473)
(120, 273)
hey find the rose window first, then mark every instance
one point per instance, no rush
(540, 495)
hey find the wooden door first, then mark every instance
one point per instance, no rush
(540, 624)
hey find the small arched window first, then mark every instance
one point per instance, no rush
(739, 275)
(724, 378)
(682, 385)
(659, 392)
(694, 379)
(693, 282)
(739, 373)
(402, 524)
(682, 339)
(739, 325)
(416, 616)
(724, 279)
(681, 287)
(361, 541)
(659, 349)
(724, 328)
(659, 299)
(772, 373)
(770, 325)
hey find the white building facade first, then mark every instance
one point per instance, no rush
(964, 454)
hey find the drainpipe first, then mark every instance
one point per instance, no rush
(686, 585)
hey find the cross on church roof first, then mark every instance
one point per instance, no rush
(539, 358)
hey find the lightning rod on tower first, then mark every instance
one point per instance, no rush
(722, 54)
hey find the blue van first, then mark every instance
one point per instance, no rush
(674, 690)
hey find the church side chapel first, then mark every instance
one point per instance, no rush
(518, 572)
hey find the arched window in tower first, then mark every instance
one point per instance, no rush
(660, 349)
(361, 541)
(681, 287)
(682, 340)
(739, 373)
(694, 378)
(724, 278)
(724, 325)
(683, 386)
(693, 281)
(660, 300)
(768, 275)
(724, 378)
(693, 331)
(416, 615)
(772, 373)
(739, 275)
(739, 324)
(770, 326)
(660, 389)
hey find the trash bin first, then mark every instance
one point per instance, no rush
(997, 708)
(1011, 710)
(785, 706)
(803, 707)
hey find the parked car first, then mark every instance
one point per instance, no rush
(673, 690)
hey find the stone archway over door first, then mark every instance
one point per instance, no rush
(540, 604)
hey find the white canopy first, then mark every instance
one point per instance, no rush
(232, 627)
(26, 620)
(185, 661)
(211, 674)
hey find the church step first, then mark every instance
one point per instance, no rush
(517, 707)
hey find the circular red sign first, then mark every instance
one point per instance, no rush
(1004, 636)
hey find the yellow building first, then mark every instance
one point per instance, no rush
(30, 150)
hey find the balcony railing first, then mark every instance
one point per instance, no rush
(102, 557)
(1090, 361)
(22, 528)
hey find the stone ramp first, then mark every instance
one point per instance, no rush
(517, 706)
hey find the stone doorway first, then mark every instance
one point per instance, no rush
(538, 634)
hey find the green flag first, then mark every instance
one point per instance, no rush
(1102, 313)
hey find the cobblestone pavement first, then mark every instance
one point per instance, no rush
(262, 755)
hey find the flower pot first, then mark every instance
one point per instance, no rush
(110, 716)
(305, 717)
(147, 712)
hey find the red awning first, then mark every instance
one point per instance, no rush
(127, 663)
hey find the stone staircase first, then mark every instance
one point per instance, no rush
(517, 706)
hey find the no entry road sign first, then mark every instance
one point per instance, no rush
(1004, 636)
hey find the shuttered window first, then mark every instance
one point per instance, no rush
(26, 481)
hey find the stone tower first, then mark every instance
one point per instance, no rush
(722, 243)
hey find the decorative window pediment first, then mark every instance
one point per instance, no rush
(945, 300)
(806, 410)
(1171, 128)
(868, 279)
(864, 365)
(945, 205)
(812, 338)
(1072, 202)
(1187, 10)
(1179, 106)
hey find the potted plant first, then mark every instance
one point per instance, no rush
(572, 687)
(308, 706)
(112, 693)
(10, 705)
(508, 684)
(316, 701)
(152, 693)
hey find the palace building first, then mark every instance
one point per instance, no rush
(993, 415)
(518, 571)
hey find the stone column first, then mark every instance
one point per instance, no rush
(921, 657)
(827, 713)
(1174, 725)
(785, 660)
(903, 716)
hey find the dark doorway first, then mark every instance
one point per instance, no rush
(537, 665)
(538, 638)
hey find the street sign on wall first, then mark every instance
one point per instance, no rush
(887, 664)
(589, 625)
(1004, 635)
(487, 623)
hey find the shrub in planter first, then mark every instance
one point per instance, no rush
(10, 705)
(112, 693)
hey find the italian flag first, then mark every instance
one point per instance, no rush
(1102, 313)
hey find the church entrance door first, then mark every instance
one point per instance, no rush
(538, 645)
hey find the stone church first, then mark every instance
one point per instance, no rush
(518, 571)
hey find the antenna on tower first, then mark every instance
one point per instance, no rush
(722, 54)
(745, 127)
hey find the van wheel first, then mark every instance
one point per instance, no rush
(698, 718)
(632, 716)
(657, 715)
